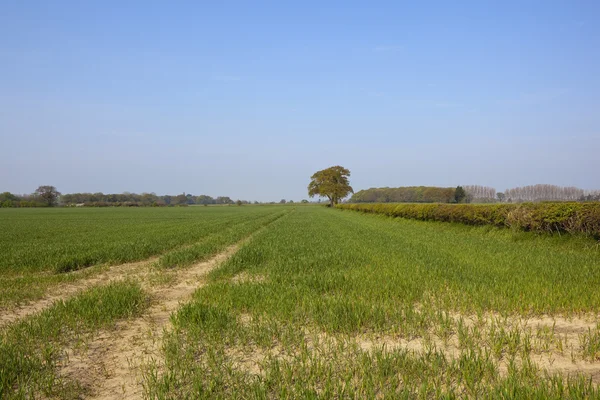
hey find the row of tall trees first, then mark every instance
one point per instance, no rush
(480, 194)
(548, 193)
(473, 194)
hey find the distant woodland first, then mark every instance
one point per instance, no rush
(48, 196)
(408, 194)
(473, 194)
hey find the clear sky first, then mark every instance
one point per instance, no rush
(248, 99)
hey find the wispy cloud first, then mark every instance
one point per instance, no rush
(227, 78)
(387, 48)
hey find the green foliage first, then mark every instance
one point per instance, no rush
(9, 200)
(180, 200)
(38, 246)
(223, 200)
(205, 200)
(459, 194)
(69, 238)
(8, 196)
(139, 200)
(576, 218)
(332, 183)
(408, 194)
(30, 350)
(318, 303)
(217, 241)
(47, 195)
(319, 284)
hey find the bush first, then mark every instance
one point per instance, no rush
(534, 217)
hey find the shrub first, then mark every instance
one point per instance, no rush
(548, 217)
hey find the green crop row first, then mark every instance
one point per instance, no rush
(39, 246)
(215, 242)
(31, 350)
(67, 239)
(288, 314)
(534, 217)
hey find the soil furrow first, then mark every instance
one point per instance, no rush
(65, 291)
(110, 366)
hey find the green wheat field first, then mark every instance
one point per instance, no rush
(273, 302)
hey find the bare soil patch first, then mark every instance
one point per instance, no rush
(547, 333)
(65, 291)
(111, 366)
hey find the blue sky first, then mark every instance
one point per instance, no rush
(248, 99)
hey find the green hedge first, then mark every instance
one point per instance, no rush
(535, 217)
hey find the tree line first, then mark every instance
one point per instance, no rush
(331, 183)
(549, 193)
(49, 196)
(407, 194)
(142, 200)
(473, 194)
(531, 193)
(44, 196)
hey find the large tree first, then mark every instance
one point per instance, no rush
(47, 195)
(331, 183)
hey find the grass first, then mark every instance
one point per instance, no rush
(545, 217)
(31, 350)
(216, 242)
(322, 303)
(337, 294)
(70, 238)
(39, 246)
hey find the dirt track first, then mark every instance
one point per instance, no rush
(67, 290)
(111, 365)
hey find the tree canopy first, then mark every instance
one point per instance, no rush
(460, 194)
(405, 194)
(331, 183)
(47, 195)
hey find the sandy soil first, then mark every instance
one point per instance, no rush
(67, 290)
(552, 360)
(110, 367)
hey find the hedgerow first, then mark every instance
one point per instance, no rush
(559, 217)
